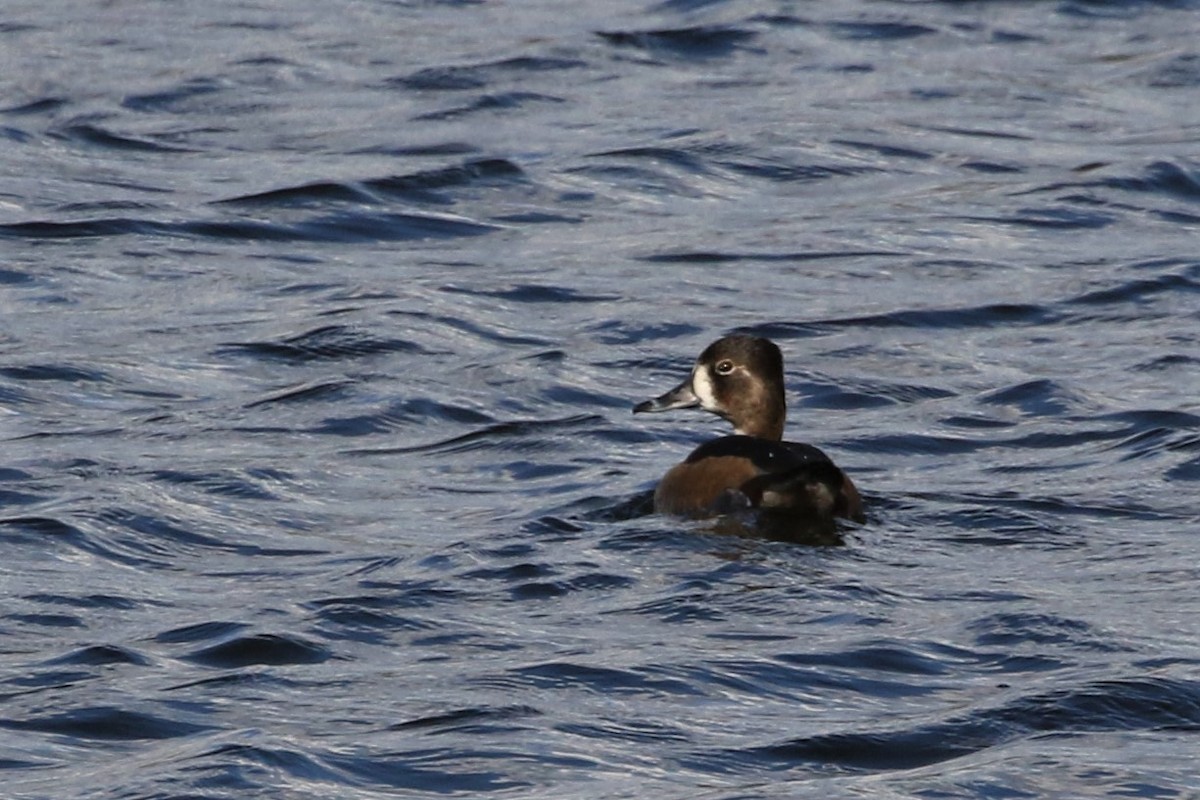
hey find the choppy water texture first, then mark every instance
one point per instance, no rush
(321, 327)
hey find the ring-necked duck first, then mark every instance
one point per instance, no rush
(740, 379)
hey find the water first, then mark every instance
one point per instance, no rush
(322, 324)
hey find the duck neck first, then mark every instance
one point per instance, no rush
(764, 426)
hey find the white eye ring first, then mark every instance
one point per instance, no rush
(725, 367)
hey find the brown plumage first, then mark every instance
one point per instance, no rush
(740, 378)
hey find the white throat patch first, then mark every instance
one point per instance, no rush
(702, 387)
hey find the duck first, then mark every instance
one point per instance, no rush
(740, 379)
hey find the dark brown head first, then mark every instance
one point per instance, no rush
(738, 378)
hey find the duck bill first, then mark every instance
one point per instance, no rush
(681, 396)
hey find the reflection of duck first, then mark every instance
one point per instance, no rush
(740, 379)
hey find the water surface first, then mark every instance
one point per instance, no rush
(321, 328)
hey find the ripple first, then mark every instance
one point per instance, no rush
(1180, 72)
(1112, 705)
(328, 342)
(99, 136)
(200, 632)
(43, 105)
(1062, 218)
(106, 723)
(228, 485)
(513, 435)
(47, 620)
(35, 528)
(10, 498)
(605, 680)
(701, 42)
(417, 186)
(349, 227)
(637, 732)
(364, 619)
(532, 293)
(86, 601)
(1162, 177)
(323, 391)
(849, 394)
(416, 594)
(1135, 290)
(1167, 362)
(101, 655)
(986, 316)
(983, 523)
(54, 372)
(400, 414)
(879, 30)
(1186, 471)
(174, 99)
(1037, 398)
(676, 157)
(75, 230)
(774, 170)
(486, 719)
(419, 771)
(147, 540)
(411, 772)
(504, 101)
(12, 277)
(476, 328)
(1012, 630)
(477, 76)
(718, 257)
(531, 581)
(262, 648)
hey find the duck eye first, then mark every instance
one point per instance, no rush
(724, 367)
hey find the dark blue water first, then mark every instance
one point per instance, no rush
(320, 327)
